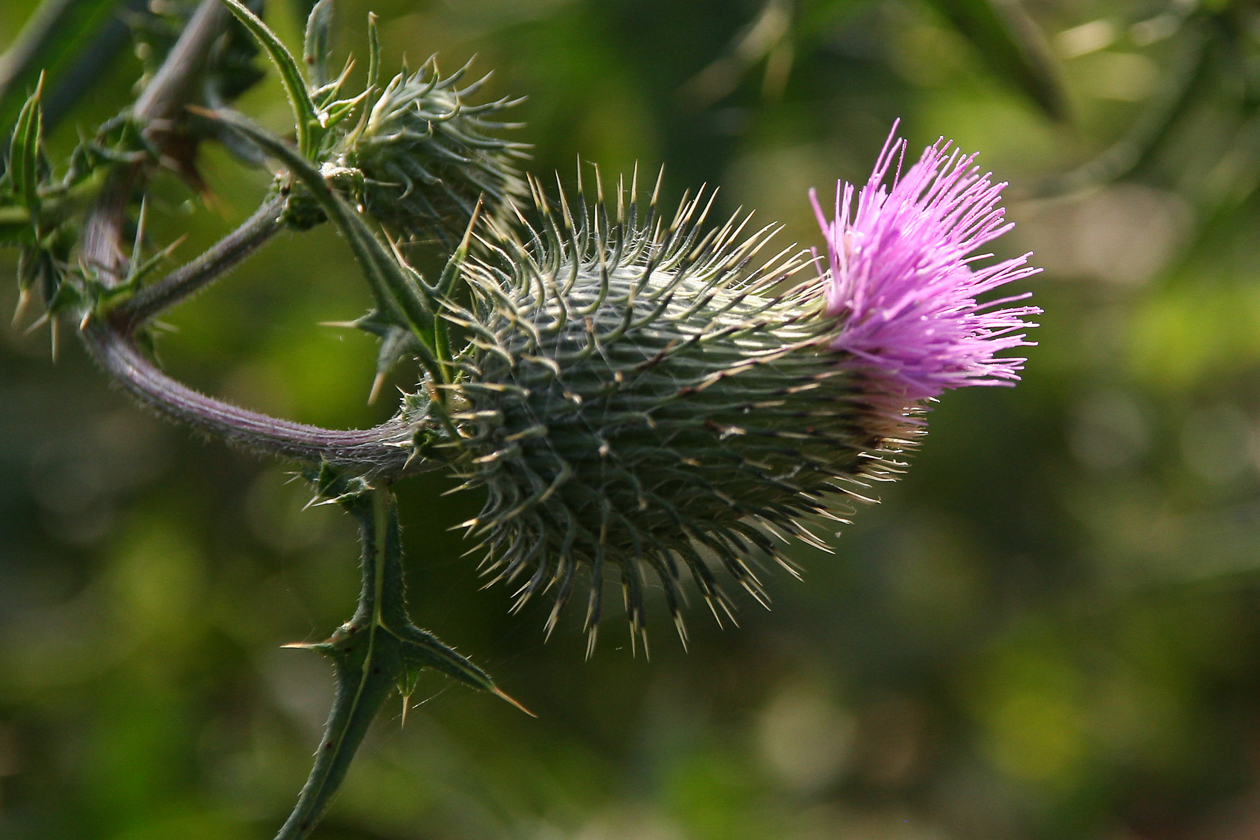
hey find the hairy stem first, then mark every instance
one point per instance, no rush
(165, 96)
(192, 277)
(383, 450)
(367, 667)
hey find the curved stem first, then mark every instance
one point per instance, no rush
(381, 450)
(192, 277)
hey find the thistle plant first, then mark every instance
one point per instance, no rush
(635, 392)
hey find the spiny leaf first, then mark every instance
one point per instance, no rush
(378, 650)
(305, 116)
(24, 150)
(424, 649)
(364, 681)
(396, 345)
(317, 44)
(374, 53)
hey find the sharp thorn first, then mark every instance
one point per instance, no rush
(36, 324)
(376, 387)
(497, 692)
(24, 300)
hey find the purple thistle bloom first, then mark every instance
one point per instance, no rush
(904, 281)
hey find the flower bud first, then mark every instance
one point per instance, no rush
(427, 155)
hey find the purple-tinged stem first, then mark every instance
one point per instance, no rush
(194, 276)
(382, 451)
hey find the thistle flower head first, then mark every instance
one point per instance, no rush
(904, 279)
(427, 154)
(642, 397)
(650, 398)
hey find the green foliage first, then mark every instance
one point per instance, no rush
(375, 652)
(307, 121)
(44, 243)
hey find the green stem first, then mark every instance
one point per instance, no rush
(376, 651)
(366, 669)
(192, 277)
(382, 450)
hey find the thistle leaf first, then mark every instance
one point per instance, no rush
(25, 149)
(378, 650)
(305, 116)
(318, 43)
(365, 677)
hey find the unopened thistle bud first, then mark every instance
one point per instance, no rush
(643, 398)
(427, 155)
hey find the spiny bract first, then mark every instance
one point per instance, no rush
(427, 155)
(643, 396)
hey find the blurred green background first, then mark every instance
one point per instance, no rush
(1048, 629)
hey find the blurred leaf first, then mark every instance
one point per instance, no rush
(1012, 44)
(318, 43)
(814, 19)
(57, 34)
(1180, 92)
(24, 150)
